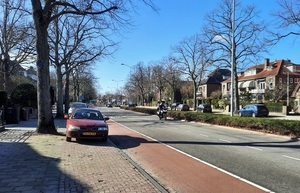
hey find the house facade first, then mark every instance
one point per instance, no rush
(281, 77)
(212, 83)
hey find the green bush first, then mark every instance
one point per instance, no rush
(24, 95)
(268, 125)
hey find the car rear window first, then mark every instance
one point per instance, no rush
(262, 108)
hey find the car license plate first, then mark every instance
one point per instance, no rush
(89, 133)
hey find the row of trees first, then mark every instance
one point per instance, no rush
(72, 35)
(233, 37)
(69, 35)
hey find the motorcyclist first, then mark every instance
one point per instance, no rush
(162, 110)
(161, 106)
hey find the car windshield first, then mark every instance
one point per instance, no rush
(88, 114)
(78, 105)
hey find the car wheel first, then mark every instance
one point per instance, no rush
(68, 139)
(253, 115)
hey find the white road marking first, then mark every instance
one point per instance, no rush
(204, 135)
(225, 140)
(291, 157)
(204, 162)
(254, 148)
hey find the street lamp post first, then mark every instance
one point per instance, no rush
(129, 71)
(127, 66)
(288, 91)
(117, 81)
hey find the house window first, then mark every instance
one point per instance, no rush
(291, 80)
(280, 80)
(228, 86)
(296, 80)
(200, 89)
(262, 85)
(270, 79)
(270, 83)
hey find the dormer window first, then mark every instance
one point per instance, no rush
(269, 68)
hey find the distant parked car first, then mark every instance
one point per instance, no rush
(254, 110)
(173, 106)
(109, 105)
(131, 104)
(204, 108)
(76, 105)
(182, 107)
(86, 123)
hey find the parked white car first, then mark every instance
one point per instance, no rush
(76, 105)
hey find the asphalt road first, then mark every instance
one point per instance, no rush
(270, 161)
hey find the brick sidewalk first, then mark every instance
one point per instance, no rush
(47, 163)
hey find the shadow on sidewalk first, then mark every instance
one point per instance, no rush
(25, 169)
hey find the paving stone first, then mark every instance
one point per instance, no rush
(31, 162)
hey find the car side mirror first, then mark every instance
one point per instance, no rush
(106, 118)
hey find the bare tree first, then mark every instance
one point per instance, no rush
(15, 41)
(172, 77)
(158, 78)
(244, 38)
(140, 80)
(83, 83)
(194, 58)
(287, 19)
(43, 15)
(75, 41)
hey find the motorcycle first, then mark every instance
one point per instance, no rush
(162, 114)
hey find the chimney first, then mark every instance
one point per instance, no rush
(267, 62)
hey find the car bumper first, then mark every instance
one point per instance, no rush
(87, 134)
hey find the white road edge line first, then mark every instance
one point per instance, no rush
(225, 140)
(291, 157)
(254, 148)
(204, 135)
(204, 162)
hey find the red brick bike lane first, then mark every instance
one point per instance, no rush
(174, 170)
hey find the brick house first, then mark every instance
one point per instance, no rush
(278, 75)
(212, 83)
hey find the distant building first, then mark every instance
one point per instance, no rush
(212, 83)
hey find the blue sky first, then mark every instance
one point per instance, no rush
(155, 33)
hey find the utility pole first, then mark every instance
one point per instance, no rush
(232, 60)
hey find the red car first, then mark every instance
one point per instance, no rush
(86, 123)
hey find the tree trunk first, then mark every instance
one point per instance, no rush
(195, 95)
(67, 95)
(45, 117)
(59, 86)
